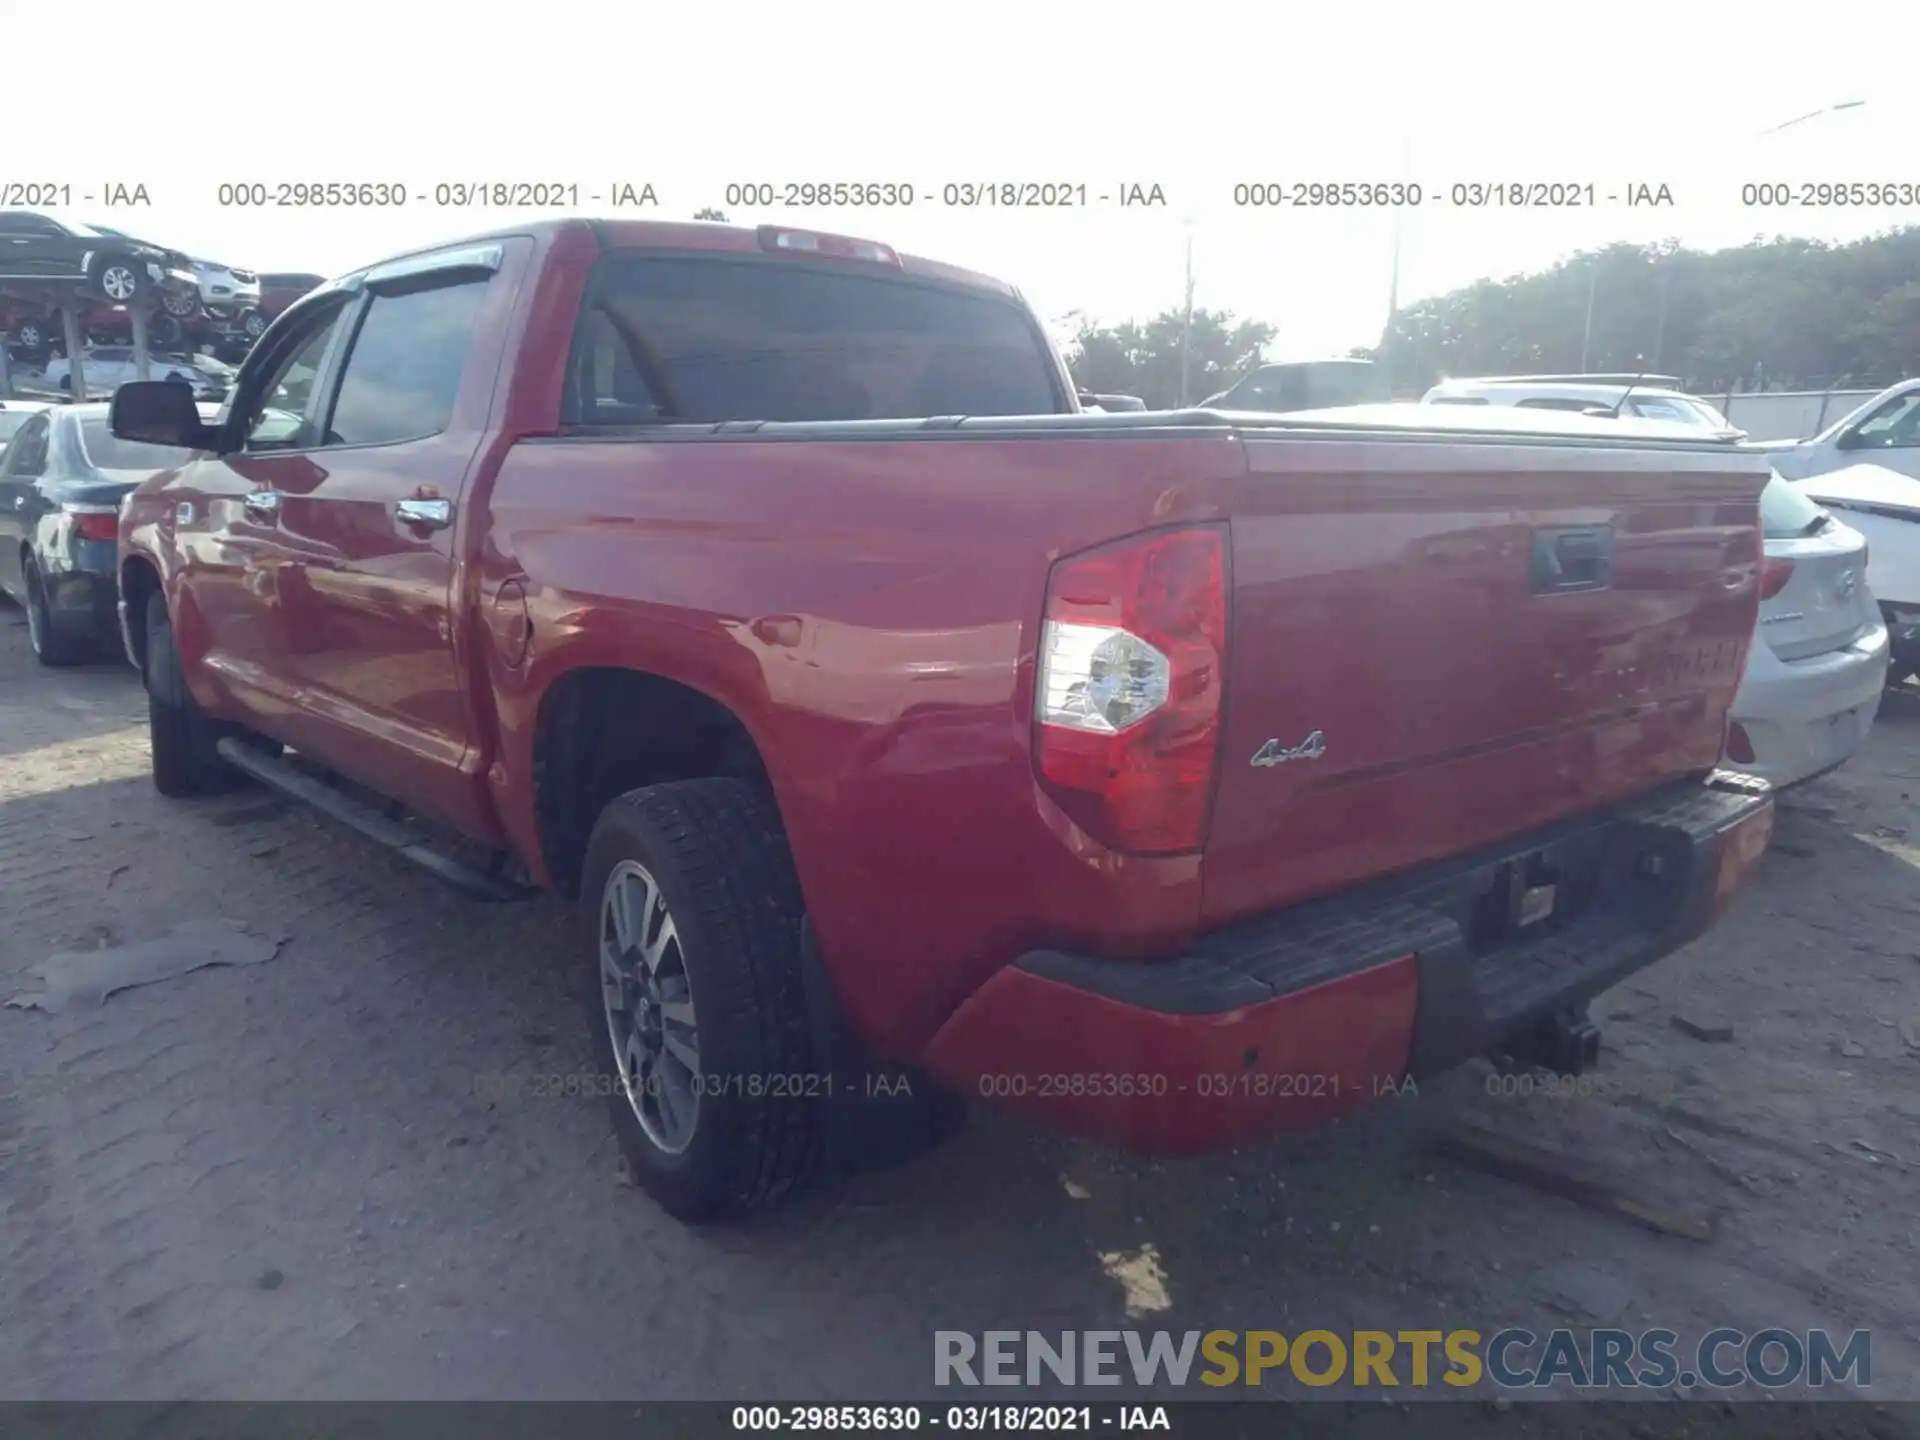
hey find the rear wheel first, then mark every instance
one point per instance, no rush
(52, 645)
(692, 914)
(186, 760)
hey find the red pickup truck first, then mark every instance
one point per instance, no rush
(900, 728)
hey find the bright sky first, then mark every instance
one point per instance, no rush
(689, 98)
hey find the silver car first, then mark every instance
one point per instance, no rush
(1818, 664)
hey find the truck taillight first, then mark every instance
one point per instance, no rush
(1128, 687)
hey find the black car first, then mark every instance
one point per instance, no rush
(1304, 385)
(62, 479)
(37, 250)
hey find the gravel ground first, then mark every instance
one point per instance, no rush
(298, 1178)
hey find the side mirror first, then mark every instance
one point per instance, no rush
(160, 412)
(1849, 441)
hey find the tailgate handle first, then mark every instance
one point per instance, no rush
(1571, 558)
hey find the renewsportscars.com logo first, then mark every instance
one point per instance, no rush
(1514, 1358)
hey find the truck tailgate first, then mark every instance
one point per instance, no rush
(1432, 647)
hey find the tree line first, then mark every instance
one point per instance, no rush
(1775, 314)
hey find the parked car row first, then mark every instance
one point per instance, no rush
(63, 475)
(48, 264)
(107, 367)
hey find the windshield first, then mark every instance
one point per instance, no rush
(1786, 511)
(110, 453)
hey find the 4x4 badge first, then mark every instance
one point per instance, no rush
(1274, 753)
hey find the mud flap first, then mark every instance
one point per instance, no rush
(876, 1114)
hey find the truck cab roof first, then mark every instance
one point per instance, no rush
(709, 237)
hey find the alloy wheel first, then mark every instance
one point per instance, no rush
(649, 1007)
(119, 283)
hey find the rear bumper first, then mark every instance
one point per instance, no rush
(1805, 717)
(1296, 1017)
(82, 601)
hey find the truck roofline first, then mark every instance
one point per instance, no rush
(680, 235)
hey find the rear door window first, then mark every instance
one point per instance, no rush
(668, 339)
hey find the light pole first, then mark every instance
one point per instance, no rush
(1186, 321)
(1586, 331)
(1665, 261)
(1388, 340)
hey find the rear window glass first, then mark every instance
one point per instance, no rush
(1785, 510)
(1559, 402)
(703, 340)
(109, 453)
(12, 420)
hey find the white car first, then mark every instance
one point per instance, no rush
(1818, 664)
(108, 367)
(226, 292)
(1884, 506)
(1885, 431)
(1646, 402)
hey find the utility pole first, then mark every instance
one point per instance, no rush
(1586, 331)
(1186, 325)
(1665, 262)
(1389, 340)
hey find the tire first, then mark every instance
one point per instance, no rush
(180, 304)
(184, 738)
(116, 279)
(51, 646)
(253, 325)
(30, 337)
(712, 853)
(165, 330)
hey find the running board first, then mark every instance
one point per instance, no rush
(275, 773)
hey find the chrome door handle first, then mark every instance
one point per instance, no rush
(430, 514)
(265, 503)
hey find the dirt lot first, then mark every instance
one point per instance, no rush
(295, 1178)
